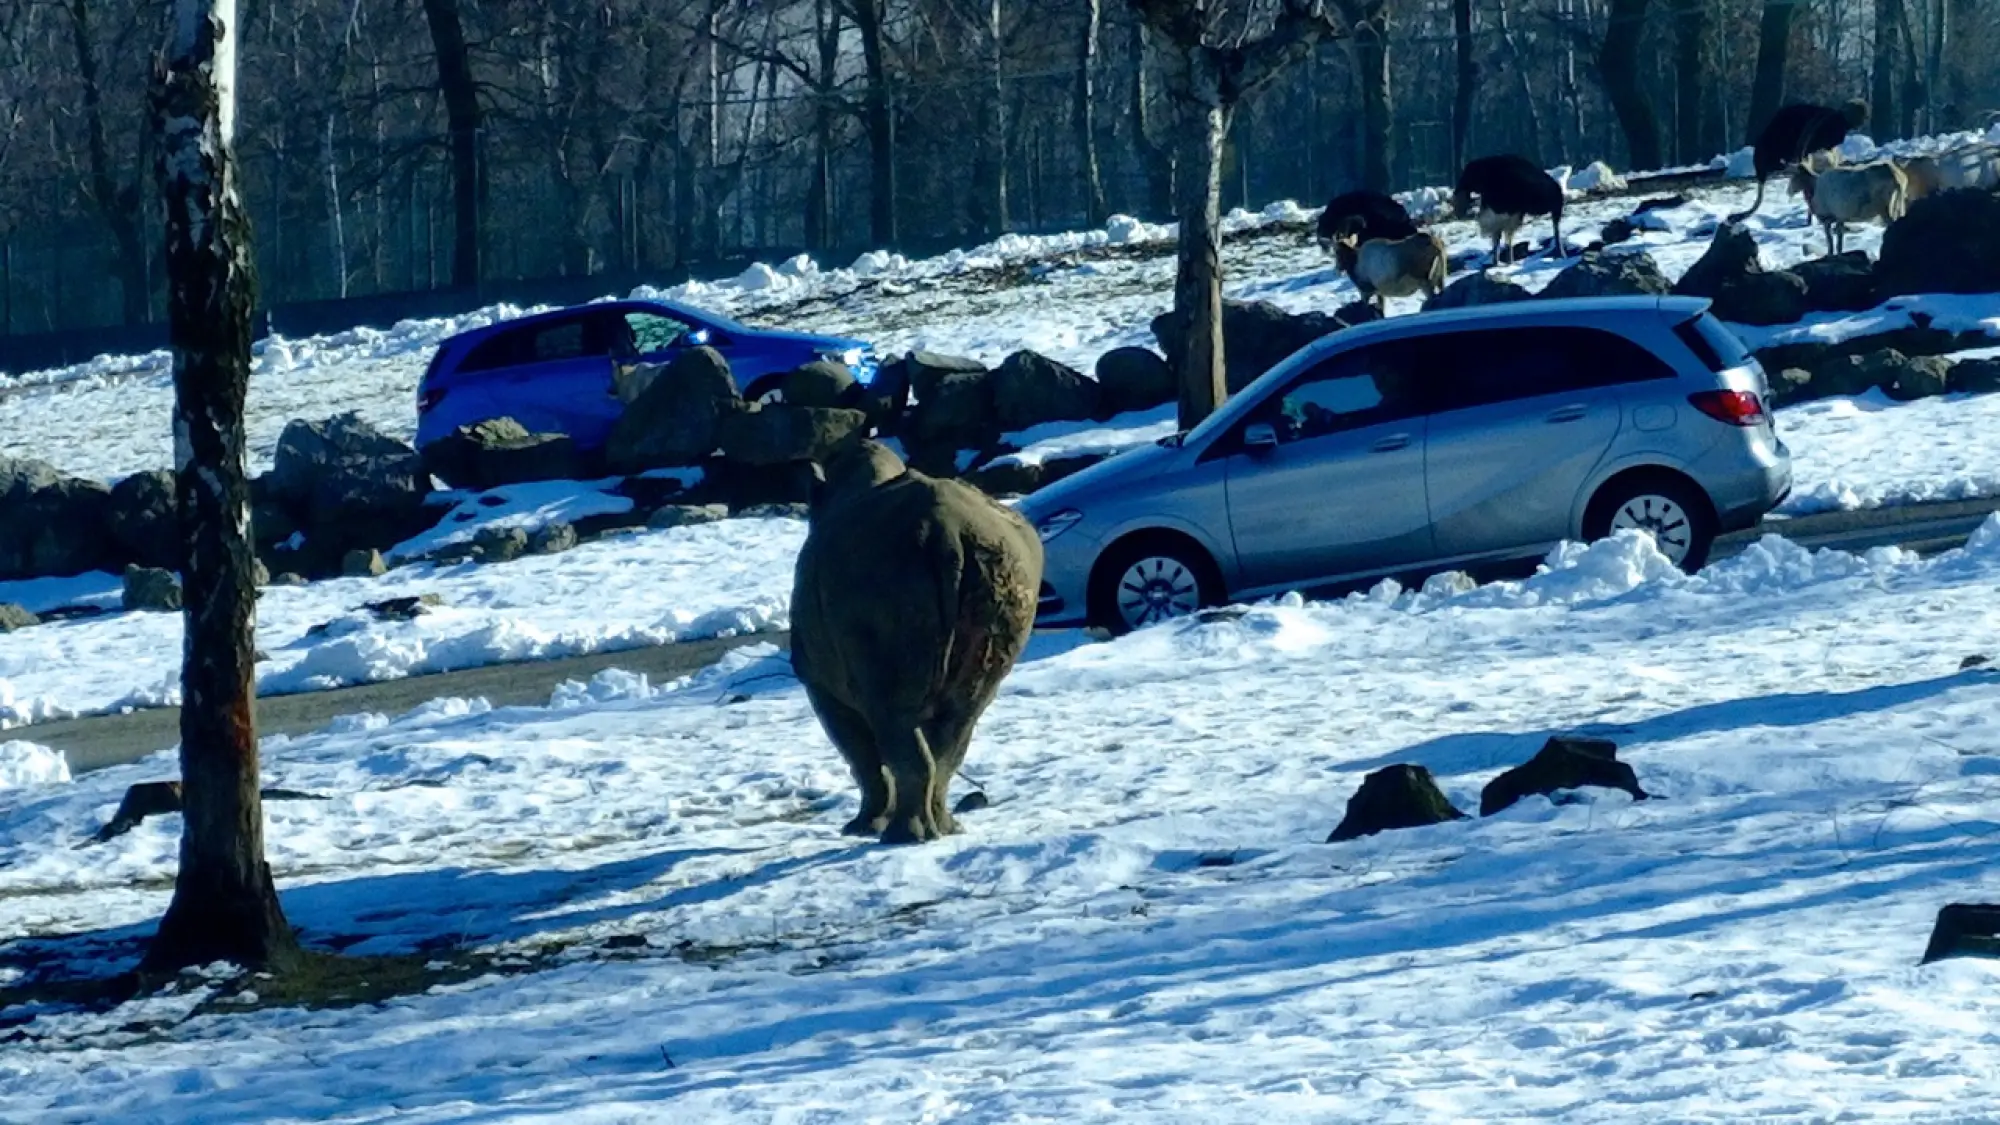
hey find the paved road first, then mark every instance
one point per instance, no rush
(109, 740)
(100, 741)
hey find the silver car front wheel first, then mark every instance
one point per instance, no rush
(1156, 588)
(1664, 518)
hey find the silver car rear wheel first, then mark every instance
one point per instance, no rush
(1156, 588)
(1662, 516)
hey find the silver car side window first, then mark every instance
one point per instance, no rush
(1351, 390)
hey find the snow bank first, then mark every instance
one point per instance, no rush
(25, 764)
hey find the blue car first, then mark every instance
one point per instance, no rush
(552, 372)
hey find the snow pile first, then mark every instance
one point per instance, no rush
(1124, 230)
(530, 506)
(1595, 177)
(25, 764)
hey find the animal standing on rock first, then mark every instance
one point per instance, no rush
(1855, 193)
(1793, 134)
(912, 599)
(1510, 189)
(1364, 215)
(1398, 267)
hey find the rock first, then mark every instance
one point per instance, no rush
(686, 515)
(775, 512)
(1946, 243)
(674, 420)
(1762, 298)
(1006, 478)
(1476, 289)
(1974, 376)
(1731, 255)
(501, 451)
(151, 588)
(1843, 283)
(889, 394)
(1600, 274)
(1964, 929)
(957, 413)
(499, 544)
(1616, 231)
(288, 578)
(775, 433)
(148, 798)
(260, 575)
(1562, 763)
(925, 371)
(51, 524)
(821, 383)
(365, 562)
(407, 608)
(349, 485)
(1790, 385)
(552, 539)
(1356, 312)
(1030, 389)
(1974, 661)
(143, 520)
(972, 802)
(1907, 378)
(1133, 379)
(1899, 376)
(1399, 796)
(14, 617)
(738, 486)
(1257, 336)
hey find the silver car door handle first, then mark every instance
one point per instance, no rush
(1391, 444)
(1567, 414)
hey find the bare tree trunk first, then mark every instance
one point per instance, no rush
(1618, 69)
(1962, 37)
(1466, 86)
(1883, 85)
(461, 111)
(1089, 172)
(225, 907)
(880, 122)
(117, 206)
(1774, 47)
(1157, 158)
(819, 194)
(1690, 30)
(1369, 23)
(1198, 272)
(1520, 68)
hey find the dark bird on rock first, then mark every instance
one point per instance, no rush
(1510, 189)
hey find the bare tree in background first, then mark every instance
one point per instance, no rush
(461, 110)
(1618, 68)
(1774, 47)
(1465, 83)
(1369, 20)
(225, 907)
(1216, 55)
(1089, 170)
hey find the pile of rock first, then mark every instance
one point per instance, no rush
(336, 486)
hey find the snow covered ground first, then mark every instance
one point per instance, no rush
(1145, 924)
(645, 588)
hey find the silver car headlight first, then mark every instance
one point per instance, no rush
(1057, 523)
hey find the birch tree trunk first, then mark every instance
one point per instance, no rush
(1198, 272)
(225, 907)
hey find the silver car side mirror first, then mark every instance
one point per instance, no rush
(1260, 436)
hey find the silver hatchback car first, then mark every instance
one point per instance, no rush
(1459, 439)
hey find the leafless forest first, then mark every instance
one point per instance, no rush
(390, 146)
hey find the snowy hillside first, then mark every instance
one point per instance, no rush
(1145, 925)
